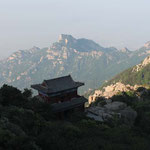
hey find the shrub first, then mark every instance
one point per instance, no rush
(11, 96)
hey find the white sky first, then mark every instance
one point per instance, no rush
(28, 23)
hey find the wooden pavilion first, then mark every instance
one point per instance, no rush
(62, 94)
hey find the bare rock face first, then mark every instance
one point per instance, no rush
(64, 38)
(108, 111)
(141, 65)
(111, 90)
(125, 50)
(115, 106)
(146, 61)
(92, 98)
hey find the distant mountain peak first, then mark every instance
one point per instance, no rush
(83, 58)
(34, 48)
(65, 39)
(124, 50)
(81, 45)
(147, 45)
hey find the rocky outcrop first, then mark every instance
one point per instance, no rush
(141, 65)
(108, 111)
(125, 50)
(115, 106)
(123, 82)
(84, 59)
(111, 90)
(65, 39)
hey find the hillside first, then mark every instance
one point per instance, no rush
(84, 59)
(29, 124)
(128, 80)
(137, 75)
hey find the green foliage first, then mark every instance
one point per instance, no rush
(143, 119)
(115, 121)
(85, 65)
(11, 96)
(27, 93)
(11, 142)
(44, 109)
(29, 124)
(131, 77)
(127, 97)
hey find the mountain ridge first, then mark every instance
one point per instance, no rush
(85, 61)
(134, 75)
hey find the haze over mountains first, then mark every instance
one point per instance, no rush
(129, 80)
(84, 59)
(136, 75)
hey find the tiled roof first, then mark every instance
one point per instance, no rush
(57, 84)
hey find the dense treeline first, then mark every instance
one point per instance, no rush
(28, 124)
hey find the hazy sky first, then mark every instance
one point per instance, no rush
(28, 23)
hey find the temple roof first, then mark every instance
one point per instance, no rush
(75, 102)
(57, 85)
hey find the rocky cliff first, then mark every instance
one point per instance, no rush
(129, 80)
(84, 59)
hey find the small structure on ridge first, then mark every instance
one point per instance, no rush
(61, 93)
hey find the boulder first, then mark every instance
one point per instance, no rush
(129, 115)
(111, 90)
(97, 118)
(108, 101)
(99, 113)
(115, 106)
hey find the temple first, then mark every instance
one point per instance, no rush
(61, 93)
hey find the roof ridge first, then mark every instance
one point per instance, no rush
(58, 84)
(59, 78)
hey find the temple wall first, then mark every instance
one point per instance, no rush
(60, 98)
